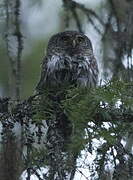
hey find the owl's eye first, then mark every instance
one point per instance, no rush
(80, 39)
(65, 38)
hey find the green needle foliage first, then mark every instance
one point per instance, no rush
(110, 103)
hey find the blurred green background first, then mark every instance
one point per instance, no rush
(39, 20)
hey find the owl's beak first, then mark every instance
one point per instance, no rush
(74, 43)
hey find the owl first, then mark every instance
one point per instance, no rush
(69, 60)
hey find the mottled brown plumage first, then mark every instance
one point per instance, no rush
(69, 60)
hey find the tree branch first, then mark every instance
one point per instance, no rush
(73, 6)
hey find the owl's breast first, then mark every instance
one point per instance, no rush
(77, 69)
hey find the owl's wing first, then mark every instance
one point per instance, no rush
(50, 65)
(41, 83)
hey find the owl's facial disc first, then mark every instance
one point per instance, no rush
(70, 43)
(73, 41)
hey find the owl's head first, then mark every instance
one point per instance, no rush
(69, 42)
(69, 61)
